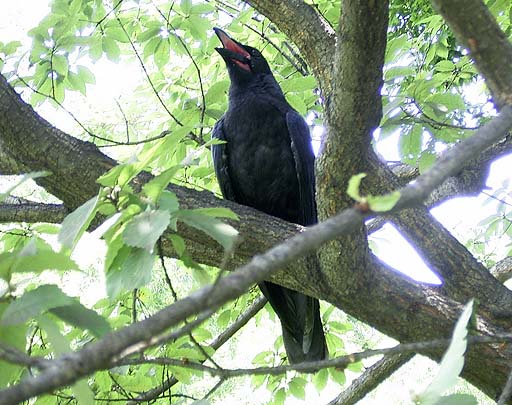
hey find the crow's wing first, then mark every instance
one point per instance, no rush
(220, 161)
(304, 163)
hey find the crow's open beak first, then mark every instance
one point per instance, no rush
(233, 50)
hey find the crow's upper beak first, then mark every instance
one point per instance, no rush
(233, 50)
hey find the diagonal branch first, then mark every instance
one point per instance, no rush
(68, 369)
(227, 334)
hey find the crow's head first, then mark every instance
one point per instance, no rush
(244, 62)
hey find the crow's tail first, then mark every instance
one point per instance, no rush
(303, 333)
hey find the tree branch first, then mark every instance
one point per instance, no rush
(14, 209)
(314, 366)
(68, 369)
(503, 269)
(307, 29)
(227, 334)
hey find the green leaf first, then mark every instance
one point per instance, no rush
(10, 47)
(24, 178)
(383, 203)
(445, 66)
(85, 74)
(223, 233)
(398, 71)
(75, 224)
(279, 396)
(149, 34)
(296, 387)
(320, 379)
(84, 318)
(76, 83)
(298, 84)
(111, 49)
(131, 268)
(426, 161)
(60, 64)
(219, 212)
(155, 186)
(338, 376)
(168, 201)
(178, 244)
(44, 260)
(161, 55)
(144, 229)
(452, 362)
(457, 399)
(35, 302)
(15, 336)
(353, 186)
(60, 345)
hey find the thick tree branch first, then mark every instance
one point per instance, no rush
(20, 210)
(477, 30)
(503, 269)
(96, 356)
(307, 29)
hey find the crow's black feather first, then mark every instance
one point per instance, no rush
(267, 162)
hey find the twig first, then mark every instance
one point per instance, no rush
(227, 334)
(314, 366)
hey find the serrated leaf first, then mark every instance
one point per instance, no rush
(111, 49)
(60, 64)
(353, 186)
(131, 268)
(161, 55)
(279, 396)
(383, 203)
(144, 229)
(445, 66)
(338, 376)
(84, 318)
(155, 186)
(296, 388)
(85, 74)
(75, 224)
(320, 379)
(223, 233)
(452, 362)
(35, 302)
(76, 82)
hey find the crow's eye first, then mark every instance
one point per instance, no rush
(254, 52)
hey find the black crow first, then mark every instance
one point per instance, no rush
(267, 163)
